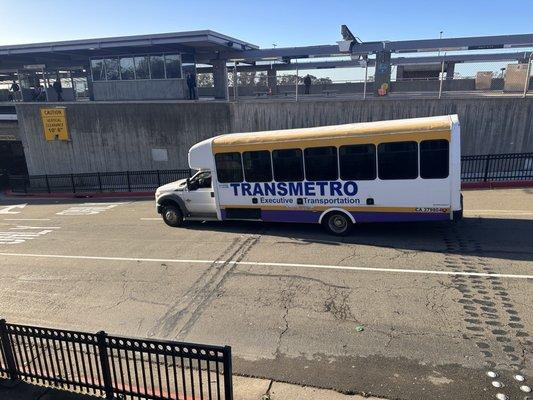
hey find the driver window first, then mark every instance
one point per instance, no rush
(201, 181)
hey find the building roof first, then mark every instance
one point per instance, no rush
(204, 43)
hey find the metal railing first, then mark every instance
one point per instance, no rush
(128, 181)
(115, 366)
(497, 167)
(475, 168)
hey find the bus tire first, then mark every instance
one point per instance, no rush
(172, 215)
(337, 223)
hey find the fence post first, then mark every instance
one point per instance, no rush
(528, 73)
(8, 351)
(99, 181)
(104, 363)
(73, 184)
(486, 173)
(128, 179)
(228, 377)
(441, 78)
(47, 184)
(158, 179)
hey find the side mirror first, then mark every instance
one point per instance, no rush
(188, 183)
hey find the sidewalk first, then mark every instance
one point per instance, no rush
(243, 389)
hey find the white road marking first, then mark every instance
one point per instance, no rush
(35, 227)
(26, 219)
(511, 212)
(271, 264)
(152, 219)
(8, 209)
(88, 208)
(20, 234)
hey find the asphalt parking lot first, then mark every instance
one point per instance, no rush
(408, 311)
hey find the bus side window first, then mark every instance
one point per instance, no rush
(229, 167)
(257, 166)
(358, 162)
(398, 160)
(321, 164)
(288, 165)
(434, 159)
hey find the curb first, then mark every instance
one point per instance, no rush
(80, 195)
(497, 185)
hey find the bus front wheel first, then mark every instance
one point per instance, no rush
(172, 215)
(337, 223)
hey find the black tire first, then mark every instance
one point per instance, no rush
(172, 215)
(337, 223)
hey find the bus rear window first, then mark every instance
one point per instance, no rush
(257, 166)
(321, 164)
(398, 160)
(434, 159)
(229, 168)
(288, 165)
(358, 162)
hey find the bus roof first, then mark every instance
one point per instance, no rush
(398, 126)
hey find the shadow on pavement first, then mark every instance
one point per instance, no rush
(487, 237)
(20, 390)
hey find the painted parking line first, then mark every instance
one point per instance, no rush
(21, 234)
(272, 264)
(151, 219)
(26, 219)
(501, 212)
(88, 209)
(11, 209)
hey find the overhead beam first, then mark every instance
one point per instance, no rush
(458, 58)
(445, 44)
(283, 52)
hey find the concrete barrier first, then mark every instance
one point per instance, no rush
(121, 136)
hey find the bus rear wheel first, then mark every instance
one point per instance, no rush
(172, 215)
(337, 223)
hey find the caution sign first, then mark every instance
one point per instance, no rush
(55, 123)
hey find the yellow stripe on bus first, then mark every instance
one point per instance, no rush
(303, 142)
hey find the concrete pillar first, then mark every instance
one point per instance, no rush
(220, 79)
(272, 80)
(383, 69)
(89, 82)
(450, 70)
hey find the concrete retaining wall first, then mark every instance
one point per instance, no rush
(116, 137)
(156, 89)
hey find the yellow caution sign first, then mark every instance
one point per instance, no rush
(55, 123)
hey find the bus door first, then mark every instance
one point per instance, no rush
(199, 196)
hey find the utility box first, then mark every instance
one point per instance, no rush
(515, 78)
(483, 80)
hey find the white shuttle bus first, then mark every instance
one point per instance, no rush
(337, 176)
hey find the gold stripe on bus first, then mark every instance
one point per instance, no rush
(334, 141)
(329, 207)
(397, 126)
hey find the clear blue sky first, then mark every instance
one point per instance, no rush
(286, 23)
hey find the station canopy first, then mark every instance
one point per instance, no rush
(204, 44)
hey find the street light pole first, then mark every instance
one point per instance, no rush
(528, 72)
(440, 37)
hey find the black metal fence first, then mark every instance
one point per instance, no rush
(476, 168)
(128, 181)
(114, 366)
(497, 167)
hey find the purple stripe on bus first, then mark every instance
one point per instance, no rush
(398, 216)
(305, 216)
